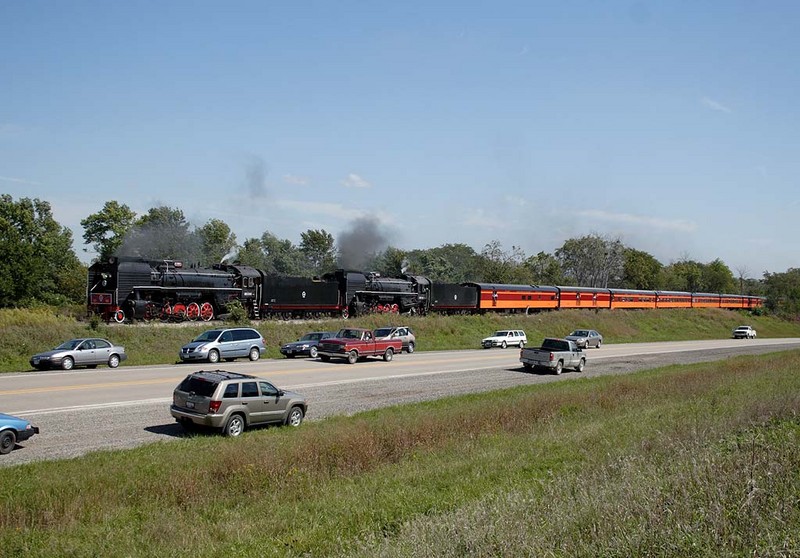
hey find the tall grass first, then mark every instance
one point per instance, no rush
(26, 332)
(697, 460)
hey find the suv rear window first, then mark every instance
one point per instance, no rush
(200, 386)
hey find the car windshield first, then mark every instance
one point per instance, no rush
(500, 333)
(311, 337)
(383, 332)
(208, 335)
(579, 333)
(69, 345)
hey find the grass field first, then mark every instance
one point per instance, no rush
(698, 460)
(26, 332)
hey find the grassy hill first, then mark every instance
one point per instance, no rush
(684, 461)
(26, 332)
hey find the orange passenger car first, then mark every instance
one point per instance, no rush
(515, 298)
(631, 298)
(673, 299)
(583, 297)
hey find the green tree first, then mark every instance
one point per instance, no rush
(783, 292)
(318, 250)
(716, 277)
(592, 261)
(641, 270)
(252, 254)
(392, 262)
(38, 264)
(280, 255)
(216, 241)
(544, 269)
(499, 266)
(684, 275)
(106, 229)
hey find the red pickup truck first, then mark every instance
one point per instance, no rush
(354, 343)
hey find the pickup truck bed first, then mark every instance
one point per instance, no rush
(553, 355)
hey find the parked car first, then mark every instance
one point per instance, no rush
(228, 344)
(744, 332)
(585, 338)
(403, 333)
(87, 352)
(505, 338)
(12, 430)
(232, 402)
(308, 344)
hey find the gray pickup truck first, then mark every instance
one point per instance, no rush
(553, 355)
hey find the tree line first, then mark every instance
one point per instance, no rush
(41, 267)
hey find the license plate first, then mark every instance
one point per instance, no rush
(190, 404)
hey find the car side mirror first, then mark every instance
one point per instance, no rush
(281, 393)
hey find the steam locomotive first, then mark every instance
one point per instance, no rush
(126, 288)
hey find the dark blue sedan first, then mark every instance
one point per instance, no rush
(13, 430)
(306, 345)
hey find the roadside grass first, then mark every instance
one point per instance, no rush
(26, 332)
(697, 460)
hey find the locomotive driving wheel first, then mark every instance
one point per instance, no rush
(206, 311)
(119, 316)
(166, 312)
(193, 311)
(179, 312)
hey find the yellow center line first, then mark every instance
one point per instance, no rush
(172, 379)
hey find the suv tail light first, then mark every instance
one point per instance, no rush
(213, 406)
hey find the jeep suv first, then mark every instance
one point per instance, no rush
(229, 343)
(232, 402)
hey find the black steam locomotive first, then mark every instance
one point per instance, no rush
(123, 289)
(126, 288)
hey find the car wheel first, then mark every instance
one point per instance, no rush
(234, 427)
(313, 352)
(113, 361)
(503, 345)
(254, 354)
(411, 347)
(522, 344)
(295, 417)
(598, 343)
(581, 365)
(388, 354)
(559, 367)
(7, 441)
(352, 357)
(67, 363)
(213, 356)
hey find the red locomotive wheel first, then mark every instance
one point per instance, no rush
(395, 308)
(166, 312)
(193, 311)
(119, 316)
(179, 312)
(206, 311)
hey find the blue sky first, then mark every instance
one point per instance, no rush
(672, 126)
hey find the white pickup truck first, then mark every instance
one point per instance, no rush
(554, 355)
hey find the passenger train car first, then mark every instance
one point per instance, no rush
(124, 289)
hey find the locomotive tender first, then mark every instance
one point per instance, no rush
(130, 288)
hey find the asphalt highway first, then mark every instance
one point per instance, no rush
(80, 411)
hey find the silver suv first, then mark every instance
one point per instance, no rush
(232, 402)
(229, 343)
(403, 333)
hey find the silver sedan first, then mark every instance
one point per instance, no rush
(585, 338)
(87, 352)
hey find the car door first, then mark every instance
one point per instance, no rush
(226, 344)
(272, 405)
(102, 350)
(84, 353)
